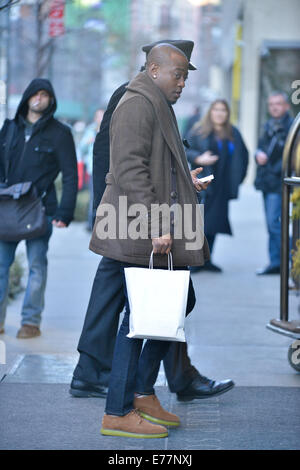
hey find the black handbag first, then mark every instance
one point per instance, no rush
(22, 213)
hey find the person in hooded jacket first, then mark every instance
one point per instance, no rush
(40, 148)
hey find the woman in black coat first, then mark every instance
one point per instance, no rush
(218, 147)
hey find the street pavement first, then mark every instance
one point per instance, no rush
(227, 338)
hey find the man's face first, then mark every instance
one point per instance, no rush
(171, 77)
(39, 102)
(277, 106)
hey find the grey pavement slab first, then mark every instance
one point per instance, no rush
(49, 368)
(71, 270)
(46, 417)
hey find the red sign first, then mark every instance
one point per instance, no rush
(56, 18)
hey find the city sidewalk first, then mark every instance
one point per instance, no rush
(227, 338)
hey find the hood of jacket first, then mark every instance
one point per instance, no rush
(36, 85)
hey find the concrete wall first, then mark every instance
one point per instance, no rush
(263, 20)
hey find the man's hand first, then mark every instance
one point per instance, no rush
(162, 245)
(206, 158)
(197, 184)
(59, 224)
(261, 157)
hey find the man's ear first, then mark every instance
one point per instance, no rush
(153, 70)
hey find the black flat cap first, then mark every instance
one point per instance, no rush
(185, 46)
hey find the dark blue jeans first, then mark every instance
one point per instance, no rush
(132, 371)
(36, 250)
(272, 203)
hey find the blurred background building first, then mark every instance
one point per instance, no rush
(260, 53)
(243, 50)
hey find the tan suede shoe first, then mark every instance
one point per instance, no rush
(150, 408)
(131, 425)
(28, 331)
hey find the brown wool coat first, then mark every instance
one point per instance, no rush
(143, 137)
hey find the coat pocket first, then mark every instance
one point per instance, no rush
(44, 154)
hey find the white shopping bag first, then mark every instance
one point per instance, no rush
(157, 301)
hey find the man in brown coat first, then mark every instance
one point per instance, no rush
(146, 153)
(144, 141)
(107, 299)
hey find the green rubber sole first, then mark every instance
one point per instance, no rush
(115, 432)
(159, 421)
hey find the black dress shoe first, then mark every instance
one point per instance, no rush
(268, 270)
(81, 389)
(208, 266)
(195, 269)
(202, 387)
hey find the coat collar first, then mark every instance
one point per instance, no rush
(143, 85)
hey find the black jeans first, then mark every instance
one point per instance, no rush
(210, 240)
(97, 340)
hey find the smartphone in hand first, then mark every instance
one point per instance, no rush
(206, 179)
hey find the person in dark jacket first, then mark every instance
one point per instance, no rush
(268, 177)
(41, 147)
(107, 300)
(219, 147)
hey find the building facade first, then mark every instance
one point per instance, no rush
(260, 53)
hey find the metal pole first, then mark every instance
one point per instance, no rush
(284, 254)
(50, 63)
(296, 236)
(285, 220)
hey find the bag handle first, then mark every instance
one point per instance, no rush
(17, 190)
(170, 261)
(10, 133)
